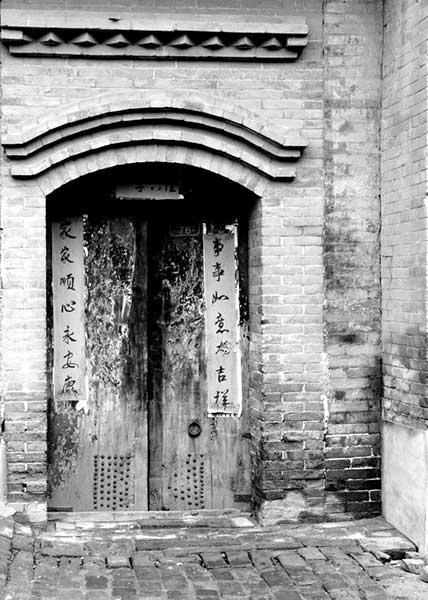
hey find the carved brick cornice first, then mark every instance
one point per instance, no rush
(41, 34)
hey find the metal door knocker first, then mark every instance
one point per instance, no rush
(194, 429)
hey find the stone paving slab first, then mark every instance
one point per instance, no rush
(175, 560)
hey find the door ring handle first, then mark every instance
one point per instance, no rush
(194, 429)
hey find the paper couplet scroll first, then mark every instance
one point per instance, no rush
(224, 386)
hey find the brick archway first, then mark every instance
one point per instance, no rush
(156, 154)
(40, 158)
(203, 132)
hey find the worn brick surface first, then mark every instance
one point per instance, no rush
(404, 214)
(352, 62)
(312, 572)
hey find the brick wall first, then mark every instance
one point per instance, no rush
(404, 187)
(315, 318)
(352, 61)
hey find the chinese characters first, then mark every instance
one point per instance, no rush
(68, 305)
(222, 330)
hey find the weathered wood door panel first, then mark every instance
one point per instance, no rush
(180, 474)
(144, 432)
(98, 444)
(199, 460)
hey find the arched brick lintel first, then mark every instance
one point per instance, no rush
(198, 124)
(72, 170)
(111, 105)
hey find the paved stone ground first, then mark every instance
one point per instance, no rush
(206, 557)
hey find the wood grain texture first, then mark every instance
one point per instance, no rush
(137, 444)
(110, 436)
(182, 468)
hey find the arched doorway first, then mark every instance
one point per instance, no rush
(143, 414)
(94, 138)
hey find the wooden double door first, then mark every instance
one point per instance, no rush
(132, 425)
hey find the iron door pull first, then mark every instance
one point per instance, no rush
(194, 429)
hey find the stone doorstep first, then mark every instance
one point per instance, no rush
(163, 521)
(151, 515)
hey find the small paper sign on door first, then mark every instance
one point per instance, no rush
(224, 386)
(68, 310)
(148, 191)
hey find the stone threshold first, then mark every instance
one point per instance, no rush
(214, 518)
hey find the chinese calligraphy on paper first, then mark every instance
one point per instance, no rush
(68, 309)
(221, 325)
